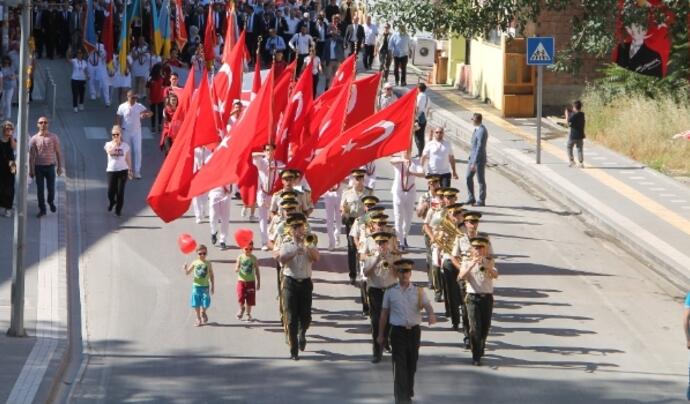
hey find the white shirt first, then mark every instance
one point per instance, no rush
(299, 267)
(79, 69)
(404, 305)
(315, 66)
(422, 104)
(131, 117)
(370, 34)
(478, 281)
(438, 154)
(301, 43)
(292, 24)
(117, 156)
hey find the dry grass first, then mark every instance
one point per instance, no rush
(641, 129)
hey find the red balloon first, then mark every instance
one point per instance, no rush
(243, 237)
(186, 243)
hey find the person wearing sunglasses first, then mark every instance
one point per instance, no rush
(44, 156)
(203, 286)
(119, 169)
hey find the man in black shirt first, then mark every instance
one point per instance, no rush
(576, 122)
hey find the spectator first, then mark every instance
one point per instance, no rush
(438, 153)
(129, 116)
(477, 162)
(316, 68)
(9, 85)
(576, 137)
(203, 285)
(44, 156)
(400, 46)
(387, 98)
(118, 169)
(8, 167)
(79, 77)
(384, 50)
(422, 113)
(333, 55)
(371, 31)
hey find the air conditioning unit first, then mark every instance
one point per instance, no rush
(424, 52)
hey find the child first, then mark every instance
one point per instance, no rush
(203, 278)
(248, 282)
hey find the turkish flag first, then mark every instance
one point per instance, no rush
(230, 31)
(227, 84)
(282, 90)
(256, 83)
(232, 159)
(346, 71)
(205, 130)
(180, 28)
(184, 99)
(387, 132)
(167, 196)
(294, 118)
(209, 38)
(362, 102)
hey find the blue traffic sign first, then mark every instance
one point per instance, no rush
(541, 51)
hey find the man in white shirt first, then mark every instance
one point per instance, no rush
(300, 44)
(438, 158)
(292, 19)
(387, 97)
(129, 116)
(371, 32)
(404, 193)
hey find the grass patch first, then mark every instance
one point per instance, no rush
(641, 128)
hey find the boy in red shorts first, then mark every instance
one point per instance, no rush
(248, 282)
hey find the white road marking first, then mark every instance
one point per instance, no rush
(637, 178)
(658, 189)
(667, 195)
(679, 201)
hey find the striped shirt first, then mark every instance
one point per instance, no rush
(44, 150)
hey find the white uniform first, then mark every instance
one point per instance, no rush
(199, 202)
(404, 193)
(268, 173)
(331, 200)
(99, 81)
(370, 177)
(130, 118)
(219, 211)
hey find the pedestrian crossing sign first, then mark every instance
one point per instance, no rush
(540, 51)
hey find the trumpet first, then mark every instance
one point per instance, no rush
(311, 240)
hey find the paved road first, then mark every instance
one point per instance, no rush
(576, 320)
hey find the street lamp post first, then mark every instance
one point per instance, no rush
(17, 312)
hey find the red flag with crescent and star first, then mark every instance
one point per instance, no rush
(387, 132)
(227, 84)
(362, 102)
(294, 118)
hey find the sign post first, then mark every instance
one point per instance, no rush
(540, 53)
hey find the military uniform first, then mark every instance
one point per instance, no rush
(268, 174)
(433, 220)
(288, 176)
(297, 286)
(463, 249)
(380, 272)
(352, 207)
(450, 270)
(427, 201)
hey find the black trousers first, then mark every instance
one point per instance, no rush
(463, 310)
(364, 296)
(429, 264)
(405, 346)
(351, 250)
(157, 117)
(375, 303)
(439, 283)
(297, 299)
(315, 84)
(479, 308)
(45, 178)
(116, 189)
(419, 138)
(450, 276)
(78, 90)
(368, 56)
(400, 70)
(300, 63)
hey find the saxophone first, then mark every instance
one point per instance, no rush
(445, 235)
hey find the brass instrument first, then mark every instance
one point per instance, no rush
(311, 240)
(445, 235)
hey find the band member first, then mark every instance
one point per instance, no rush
(403, 302)
(296, 256)
(267, 167)
(432, 221)
(351, 207)
(479, 271)
(380, 272)
(429, 200)
(278, 233)
(463, 249)
(447, 238)
(289, 178)
(404, 192)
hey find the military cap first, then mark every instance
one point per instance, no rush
(381, 236)
(455, 207)
(471, 216)
(375, 209)
(358, 172)
(285, 174)
(288, 195)
(297, 173)
(439, 192)
(449, 191)
(370, 200)
(379, 218)
(296, 219)
(404, 265)
(288, 203)
(433, 177)
(479, 241)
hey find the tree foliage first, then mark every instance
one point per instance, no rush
(593, 27)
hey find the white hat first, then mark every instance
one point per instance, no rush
(388, 85)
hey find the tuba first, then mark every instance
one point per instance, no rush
(445, 235)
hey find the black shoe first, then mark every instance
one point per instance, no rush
(438, 298)
(110, 207)
(478, 204)
(353, 281)
(118, 214)
(41, 213)
(302, 343)
(294, 357)
(52, 207)
(222, 245)
(467, 343)
(476, 363)
(376, 359)
(387, 348)
(214, 238)
(456, 327)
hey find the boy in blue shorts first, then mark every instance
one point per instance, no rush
(203, 285)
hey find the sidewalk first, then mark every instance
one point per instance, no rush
(648, 212)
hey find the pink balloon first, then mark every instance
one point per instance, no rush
(243, 237)
(186, 243)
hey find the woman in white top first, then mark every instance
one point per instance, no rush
(119, 169)
(316, 67)
(79, 77)
(141, 66)
(119, 81)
